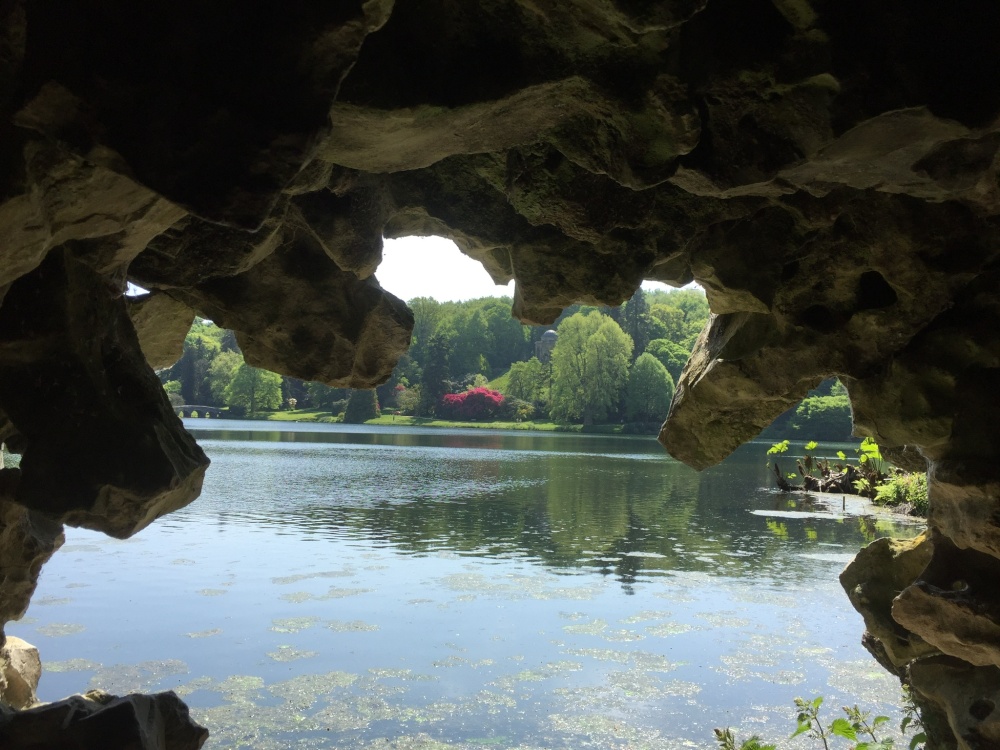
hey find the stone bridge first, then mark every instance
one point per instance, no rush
(194, 410)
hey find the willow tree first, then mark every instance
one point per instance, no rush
(589, 367)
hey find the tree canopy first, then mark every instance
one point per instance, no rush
(253, 390)
(650, 389)
(589, 367)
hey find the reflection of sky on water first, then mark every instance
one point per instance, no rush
(527, 591)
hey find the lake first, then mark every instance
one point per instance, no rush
(419, 589)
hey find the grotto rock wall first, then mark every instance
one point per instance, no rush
(826, 170)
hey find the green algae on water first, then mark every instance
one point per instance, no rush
(135, 678)
(292, 624)
(72, 665)
(61, 629)
(289, 653)
(204, 633)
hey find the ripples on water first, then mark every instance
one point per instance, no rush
(364, 588)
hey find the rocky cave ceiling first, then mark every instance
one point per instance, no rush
(826, 170)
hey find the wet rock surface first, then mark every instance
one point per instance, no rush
(827, 171)
(98, 720)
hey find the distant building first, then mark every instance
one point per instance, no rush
(544, 347)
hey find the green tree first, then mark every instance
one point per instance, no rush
(671, 355)
(509, 339)
(683, 313)
(427, 314)
(435, 381)
(528, 381)
(362, 406)
(649, 391)
(323, 396)
(823, 418)
(469, 343)
(589, 368)
(252, 390)
(173, 389)
(221, 373)
(635, 321)
(409, 399)
(669, 322)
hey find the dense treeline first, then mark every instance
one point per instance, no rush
(472, 361)
(825, 414)
(607, 365)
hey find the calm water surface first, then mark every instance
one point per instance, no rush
(413, 589)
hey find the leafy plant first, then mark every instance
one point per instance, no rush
(856, 726)
(869, 476)
(778, 448)
(871, 467)
(904, 489)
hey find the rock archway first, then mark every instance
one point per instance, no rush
(826, 170)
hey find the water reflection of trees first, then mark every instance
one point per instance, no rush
(626, 515)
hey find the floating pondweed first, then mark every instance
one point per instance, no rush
(61, 629)
(292, 624)
(354, 626)
(52, 601)
(204, 633)
(135, 678)
(72, 665)
(290, 653)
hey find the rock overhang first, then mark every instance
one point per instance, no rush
(827, 171)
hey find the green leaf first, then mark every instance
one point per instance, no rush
(879, 721)
(793, 475)
(863, 458)
(841, 455)
(917, 739)
(811, 445)
(905, 723)
(817, 702)
(843, 728)
(803, 728)
(778, 448)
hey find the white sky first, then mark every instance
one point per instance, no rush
(435, 267)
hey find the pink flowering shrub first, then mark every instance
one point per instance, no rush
(474, 404)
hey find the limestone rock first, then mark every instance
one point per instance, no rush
(27, 540)
(297, 313)
(230, 123)
(66, 198)
(100, 721)
(20, 670)
(827, 171)
(966, 505)
(954, 605)
(874, 579)
(161, 323)
(968, 696)
(101, 445)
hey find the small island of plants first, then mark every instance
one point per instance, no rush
(868, 475)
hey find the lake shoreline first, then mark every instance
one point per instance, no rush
(399, 420)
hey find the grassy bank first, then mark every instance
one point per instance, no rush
(401, 421)
(388, 420)
(300, 415)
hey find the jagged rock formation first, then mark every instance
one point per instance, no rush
(827, 170)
